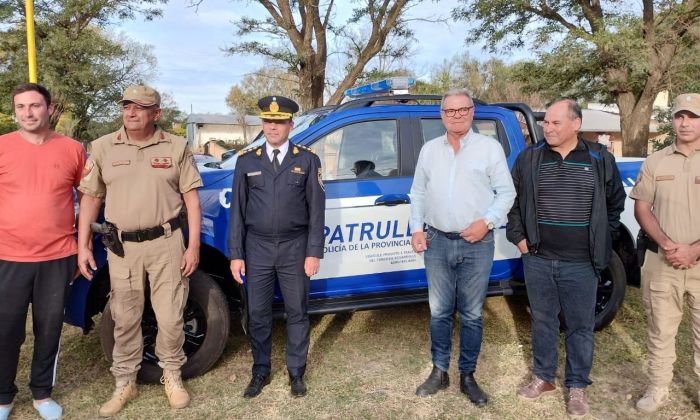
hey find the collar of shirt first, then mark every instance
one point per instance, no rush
(122, 138)
(579, 145)
(674, 149)
(462, 142)
(283, 150)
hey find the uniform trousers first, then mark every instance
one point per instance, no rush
(663, 293)
(158, 262)
(45, 285)
(267, 261)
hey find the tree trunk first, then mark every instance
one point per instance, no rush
(80, 130)
(311, 88)
(58, 107)
(635, 116)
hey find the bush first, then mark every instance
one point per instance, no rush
(7, 124)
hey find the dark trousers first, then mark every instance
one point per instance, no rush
(45, 284)
(569, 286)
(267, 261)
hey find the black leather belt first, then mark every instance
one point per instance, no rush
(151, 233)
(449, 235)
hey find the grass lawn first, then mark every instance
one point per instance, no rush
(368, 364)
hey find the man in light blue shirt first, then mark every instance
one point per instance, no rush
(461, 190)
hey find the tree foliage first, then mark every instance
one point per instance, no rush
(79, 60)
(615, 51)
(243, 97)
(491, 80)
(299, 35)
(7, 124)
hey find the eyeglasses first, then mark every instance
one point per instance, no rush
(462, 111)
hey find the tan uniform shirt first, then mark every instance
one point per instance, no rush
(142, 182)
(670, 181)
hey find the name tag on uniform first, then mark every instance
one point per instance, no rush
(121, 162)
(297, 170)
(161, 162)
(254, 173)
(665, 177)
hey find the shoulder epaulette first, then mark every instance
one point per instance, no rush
(258, 151)
(308, 149)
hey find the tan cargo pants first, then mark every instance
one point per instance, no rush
(158, 262)
(663, 293)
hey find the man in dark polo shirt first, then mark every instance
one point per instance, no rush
(567, 210)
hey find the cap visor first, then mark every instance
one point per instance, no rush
(275, 115)
(137, 102)
(695, 111)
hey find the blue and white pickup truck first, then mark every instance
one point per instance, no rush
(368, 148)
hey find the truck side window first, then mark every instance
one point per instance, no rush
(367, 149)
(432, 128)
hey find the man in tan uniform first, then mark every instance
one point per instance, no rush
(143, 174)
(667, 197)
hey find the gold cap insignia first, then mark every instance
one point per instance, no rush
(274, 106)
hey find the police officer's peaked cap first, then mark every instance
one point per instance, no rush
(277, 108)
(141, 95)
(687, 102)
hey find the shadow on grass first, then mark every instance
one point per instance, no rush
(325, 341)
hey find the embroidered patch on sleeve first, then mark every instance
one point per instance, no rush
(87, 169)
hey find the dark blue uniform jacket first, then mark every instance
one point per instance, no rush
(277, 206)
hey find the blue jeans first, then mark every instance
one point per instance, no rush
(458, 275)
(569, 287)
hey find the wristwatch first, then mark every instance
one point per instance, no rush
(489, 225)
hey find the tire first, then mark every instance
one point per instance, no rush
(611, 292)
(207, 322)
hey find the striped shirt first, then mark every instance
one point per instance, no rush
(564, 201)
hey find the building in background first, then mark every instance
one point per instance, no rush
(206, 130)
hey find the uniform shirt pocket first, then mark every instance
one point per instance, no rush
(296, 180)
(255, 179)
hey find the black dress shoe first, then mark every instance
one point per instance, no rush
(256, 385)
(298, 387)
(468, 386)
(438, 379)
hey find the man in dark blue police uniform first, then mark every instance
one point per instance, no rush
(277, 219)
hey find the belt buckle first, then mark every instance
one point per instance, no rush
(167, 230)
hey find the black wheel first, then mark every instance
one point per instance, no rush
(207, 322)
(611, 292)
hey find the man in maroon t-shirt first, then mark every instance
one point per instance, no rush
(38, 171)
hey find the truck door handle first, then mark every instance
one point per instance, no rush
(392, 200)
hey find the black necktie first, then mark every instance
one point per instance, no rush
(275, 162)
